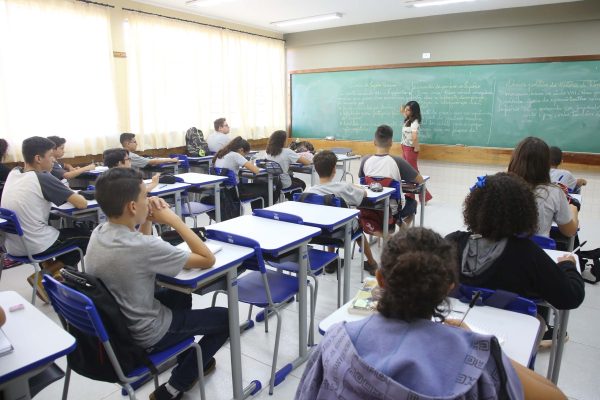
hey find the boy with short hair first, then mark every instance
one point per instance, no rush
(325, 162)
(116, 158)
(220, 137)
(127, 259)
(61, 170)
(563, 176)
(30, 193)
(382, 164)
(130, 144)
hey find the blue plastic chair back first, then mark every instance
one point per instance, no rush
(183, 160)
(272, 167)
(279, 216)
(397, 195)
(313, 198)
(12, 224)
(75, 307)
(497, 298)
(240, 241)
(231, 177)
(544, 242)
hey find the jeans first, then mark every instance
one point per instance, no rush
(210, 322)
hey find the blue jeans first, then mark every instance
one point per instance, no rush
(210, 322)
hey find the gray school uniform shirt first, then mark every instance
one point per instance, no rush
(232, 161)
(127, 262)
(563, 176)
(217, 140)
(285, 158)
(138, 161)
(352, 195)
(552, 206)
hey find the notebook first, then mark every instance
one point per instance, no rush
(213, 247)
(5, 345)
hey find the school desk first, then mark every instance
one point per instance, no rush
(377, 197)
(37, 340)
(168, 189)
(420, 189)
(228, 259)
(276, 238)
(516, 332)
(344, 160)
(204, 180)
(329, 219)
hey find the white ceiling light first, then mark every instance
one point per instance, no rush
(206, 3)
(308, 20)
(439, 3)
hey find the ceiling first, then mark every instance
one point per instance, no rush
(260, 13)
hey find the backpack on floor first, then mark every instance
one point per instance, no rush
(593, 258)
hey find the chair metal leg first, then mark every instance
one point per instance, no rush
(129, 390)
(81, 260)
(275, 353)
(67, 381)
(200, 369)
(313, 303)
(250, 312)
(339, 280)
(155, 381)
(267, 313)
(36, 276)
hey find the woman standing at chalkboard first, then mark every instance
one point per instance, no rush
(410, 136)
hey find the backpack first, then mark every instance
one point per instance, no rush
(592, 257)
(89, 358)
(371, 219)
(230, 201)
(195, 143)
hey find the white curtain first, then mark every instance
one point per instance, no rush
(183, 74)
(57, 75)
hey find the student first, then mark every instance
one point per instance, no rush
(127, 258)
(119, 158)
(531, 161)
(220, 137)
(382, 164)
(4, 170)
(130, 144)
(563, 176)
(496, 253)
(276, 151)
(410, 135)
(30, 193)
(325, 162)
(401, 353)
(63, 171)
(233, 157)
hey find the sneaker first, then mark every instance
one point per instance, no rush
(41, 292)
(210, 366)
(546, 342)
(332, 266)
(163, 394)
(370, 268)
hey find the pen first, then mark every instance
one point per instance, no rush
(476, 296)
(161, 186)
(578, 247)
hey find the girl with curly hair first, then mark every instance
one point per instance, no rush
(496, 252)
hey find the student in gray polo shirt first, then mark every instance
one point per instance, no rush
(130, 144)
(124, 254)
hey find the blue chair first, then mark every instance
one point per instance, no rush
(79, 311)
(334, 201)
(317, 260)
(263, 288)
(193, 208)
(13, 227)
(544, 242)
(184, 162)
(232, 182)
(274, 168)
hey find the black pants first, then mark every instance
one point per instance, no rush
(296, 183)
(68, 237)
(253, 190)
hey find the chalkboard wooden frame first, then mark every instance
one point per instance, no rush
(573, 157)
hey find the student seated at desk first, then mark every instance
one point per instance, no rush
(130, 144)
(400, 353)
(127, 260)
(563, 176)
(30, 193)
(496, 252)
(233, 157)
(119, 158)
(325, 162)
(63, 171)
(382, 164)
(531, 161)
(4, 170)
(220, 137)
(277, 151)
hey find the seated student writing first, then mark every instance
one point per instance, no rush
(119, 158)
(496, 252)
(531, 161)
(30, 192)
(127, 259)
(325, 162)
(130, 144)
(277, 151)
(233, 158)
(61, 170)
(563, 176)
(400, 353)
(383, 165)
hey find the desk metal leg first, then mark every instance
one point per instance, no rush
(386, 218)
(422, 203)
(218, 202)
(347, 260)
(560, 328)
(178, 204)
(302, 315)
(270, 188)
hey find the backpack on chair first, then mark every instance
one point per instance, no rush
(371, 218)
(593, 257)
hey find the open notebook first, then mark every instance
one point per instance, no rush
(5, 345)
(214, 248)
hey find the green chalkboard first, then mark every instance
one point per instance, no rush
(477, 105)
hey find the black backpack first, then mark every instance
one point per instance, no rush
(592, 257)
(89, 358)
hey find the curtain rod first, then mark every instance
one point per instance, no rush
(96, 3)
(200, 23)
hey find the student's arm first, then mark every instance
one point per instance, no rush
(2, 316)
(303, 161)
(150, 187)
(250, 166)
(570, 228)
(581, 182)
(157, 161)
(77, 200)
(535, 386)
(559, 284)
(75, 172)
(200, 257)
(55, 192)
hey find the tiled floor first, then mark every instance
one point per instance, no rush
(449, 184)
